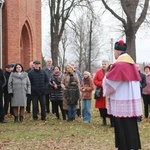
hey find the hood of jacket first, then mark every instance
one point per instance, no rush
(19, 76)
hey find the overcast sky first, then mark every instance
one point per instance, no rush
(142, 39)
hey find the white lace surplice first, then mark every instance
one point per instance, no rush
(124, 98)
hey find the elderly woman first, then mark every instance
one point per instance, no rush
(19, 87)
(70, 84)
(146, 92)
(100, 102)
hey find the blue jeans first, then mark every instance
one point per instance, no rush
(71, 111)
(86, 110)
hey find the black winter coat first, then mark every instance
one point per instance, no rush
(39, 81)
(56, 94)
(72, 93)
(143, 81)
(49, 73)
(6, 74)
(2, 81)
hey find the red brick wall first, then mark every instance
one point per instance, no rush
(21, 20)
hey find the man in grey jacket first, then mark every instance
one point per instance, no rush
(49, 70)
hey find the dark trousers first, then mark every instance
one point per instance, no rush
(47, 102)
(56, 105)
(126, 134)
(146, 99)
(29, 100)
(111, 120)
(103, 112)
(53, 109)
(41, 99)
(65, 114)
(79, 109)
(1, 108)
(7, 102)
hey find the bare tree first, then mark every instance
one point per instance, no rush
(63, 48)
(130, 22)
(60, 11)
(87, 48)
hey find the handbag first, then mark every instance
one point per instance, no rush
(98, 93)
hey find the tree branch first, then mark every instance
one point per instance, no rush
(124, 7)
(143, 15)
(114, 14)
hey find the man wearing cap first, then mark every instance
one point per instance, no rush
(39, 83)
(122, 86)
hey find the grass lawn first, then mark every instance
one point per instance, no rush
(61, 135)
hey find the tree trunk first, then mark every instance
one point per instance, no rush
(55, 50)
(90, 48)
(131, 48)
(130, 39)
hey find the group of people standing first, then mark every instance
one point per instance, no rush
(44, 85)
(121, 82)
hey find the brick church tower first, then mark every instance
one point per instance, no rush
(21, 31)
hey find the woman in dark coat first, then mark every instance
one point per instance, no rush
(19, 87)
(56, 94)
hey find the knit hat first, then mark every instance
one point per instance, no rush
(120, 46)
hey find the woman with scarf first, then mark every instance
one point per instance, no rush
(56, 94)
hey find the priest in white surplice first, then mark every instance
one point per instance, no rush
(122, 87)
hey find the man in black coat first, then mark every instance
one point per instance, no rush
(7, 97)
(2, 84)
(29, 97)
(39, 83)
(143, 84)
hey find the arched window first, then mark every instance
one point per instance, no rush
(26, 45)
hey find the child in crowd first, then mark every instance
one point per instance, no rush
(87, 87)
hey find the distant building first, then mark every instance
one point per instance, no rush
(21, 31)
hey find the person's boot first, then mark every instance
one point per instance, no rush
(15, 119)
(111, 121)
(104, 122)
(21, 118)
